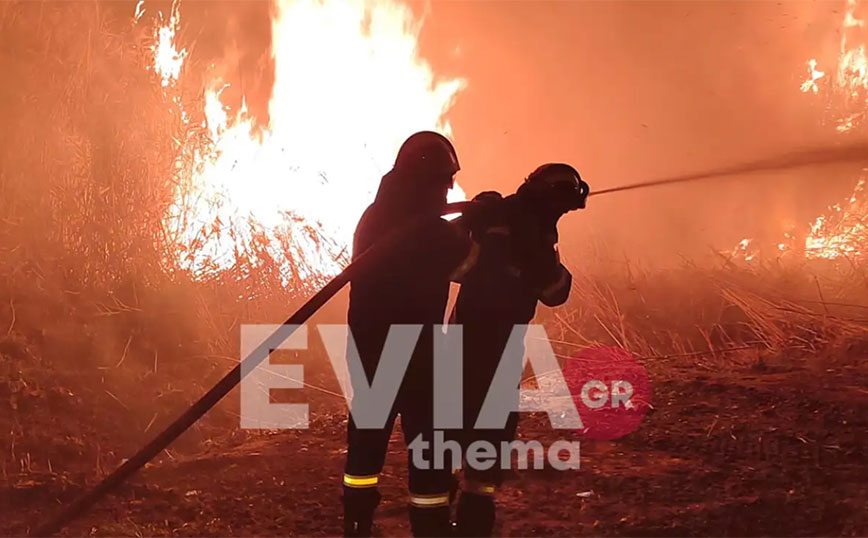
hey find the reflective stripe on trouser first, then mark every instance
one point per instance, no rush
(354, 481)
(429, 501)
(366, 453)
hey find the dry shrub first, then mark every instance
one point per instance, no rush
(95, 300)
(88, 155)
(92, 160)
(788, 305)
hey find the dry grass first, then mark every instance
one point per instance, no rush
(94, 299)
(92, 160)
(93, 155)
(92, 282)
(719, 313)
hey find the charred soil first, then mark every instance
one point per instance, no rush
(770, 447)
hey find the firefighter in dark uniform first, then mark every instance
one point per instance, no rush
(410, 287)
(517, 265)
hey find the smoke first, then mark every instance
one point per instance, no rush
(621, 90)
(627, 90)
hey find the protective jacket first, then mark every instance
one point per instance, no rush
(517, 265)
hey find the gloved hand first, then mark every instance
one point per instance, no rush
(484, 209)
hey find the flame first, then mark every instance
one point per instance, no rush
(167, 58)
(852, 73)
(744, 250)
(140, 11)
(349, 87)
(842, 232)
(810, 85)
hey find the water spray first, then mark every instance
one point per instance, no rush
(822, 156)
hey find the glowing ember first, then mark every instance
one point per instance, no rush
(744, 250)
(349, 88)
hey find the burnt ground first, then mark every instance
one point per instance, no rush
(776, 447)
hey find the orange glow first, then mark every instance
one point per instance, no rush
(842, 230)
(839, 232)
(349, 87)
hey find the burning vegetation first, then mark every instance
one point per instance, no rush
(841, 233)
(278, 192)
(146, 211)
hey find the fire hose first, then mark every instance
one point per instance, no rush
(360, 266)
(363, 264)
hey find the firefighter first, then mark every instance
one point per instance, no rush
(517, 266)
(410, 287)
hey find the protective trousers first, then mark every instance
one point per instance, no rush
(366, 455)
(483, 346)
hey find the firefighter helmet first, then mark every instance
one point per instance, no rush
(563, 182)
(428, 151)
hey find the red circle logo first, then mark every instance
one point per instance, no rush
(611, 391)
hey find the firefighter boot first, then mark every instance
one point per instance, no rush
(474, 515)
(359, 506)
(430, 521)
